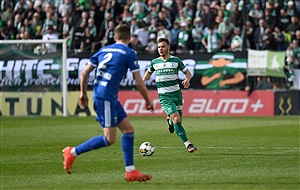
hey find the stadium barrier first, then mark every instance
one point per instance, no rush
(196, 103)
(47, 84)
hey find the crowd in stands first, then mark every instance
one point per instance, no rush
(191, 26)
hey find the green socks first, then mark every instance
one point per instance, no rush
(180, 132)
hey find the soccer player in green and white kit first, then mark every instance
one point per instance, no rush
(169, 92)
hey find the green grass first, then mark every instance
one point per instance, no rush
(234, 153)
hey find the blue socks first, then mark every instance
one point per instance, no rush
(92, 144)
(127, 143)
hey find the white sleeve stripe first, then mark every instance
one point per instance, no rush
(94, 65)
(135, 70)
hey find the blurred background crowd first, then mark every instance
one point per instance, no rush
(191, 26)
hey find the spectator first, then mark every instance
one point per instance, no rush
(7, 15)
(225, 29)
(50, 35)
(17, 22)
(126, 16)
(49, 21)
(284, 20)
(181, 17)
(197, 35)
(140, 14)
(41, 12)
(64, 28)
(163, 19)
(92, 26)
(21, 4)
(267, 41)
(153, 11)
(273, 7)
(236, 16)
(199, 10)
(258, 33)
(184, 39)
(249, 34)
(104, 26)
(188, 9)
(109, 9)
(64, 9)
(135, 43)
(117, 8)
(26, 47)
(293, 61)
(291, 10)
(142, 34)
(270, 19)
(133, 26)
(9, 32)
(255, 14)
(293, 54)
(147, 19)
(91, 9)
(297, 37)
(279, 39)
(134, 7)
(163, 32)
(20, 10)
(212, 41)
(152, 45)
(208, 16)
(30, 10)
(87, 43)
(237, 41)
(293, 26)
(36, 25)
(20, 34)
(27, 26)
(153, 26)
(109, 34)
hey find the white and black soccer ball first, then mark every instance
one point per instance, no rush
(146, 149)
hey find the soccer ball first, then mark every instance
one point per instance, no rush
(146, 149)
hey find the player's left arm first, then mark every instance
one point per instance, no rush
(186, 81)
(147, 75)
(83, 98)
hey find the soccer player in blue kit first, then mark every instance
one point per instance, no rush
(112, 63)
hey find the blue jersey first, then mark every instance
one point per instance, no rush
(112, 63)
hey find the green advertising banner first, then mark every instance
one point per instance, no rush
(24, 71)
(266, 63)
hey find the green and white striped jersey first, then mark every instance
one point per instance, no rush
(167, 73)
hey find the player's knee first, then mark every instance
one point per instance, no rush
(176, 120)
(111, 140)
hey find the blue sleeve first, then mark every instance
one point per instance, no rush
(94, 59)
(133, 62)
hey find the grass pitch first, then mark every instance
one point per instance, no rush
(234, 153)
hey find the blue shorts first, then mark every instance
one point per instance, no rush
(109, 113)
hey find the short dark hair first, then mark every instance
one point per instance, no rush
(163, 40)
(122, 32)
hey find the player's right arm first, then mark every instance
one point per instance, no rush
(142, 89)
(147, 75)
(83, 98)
